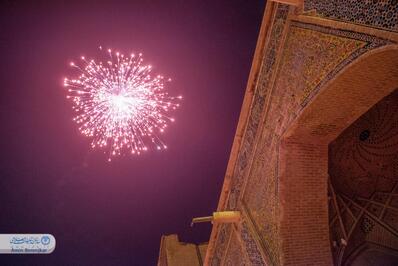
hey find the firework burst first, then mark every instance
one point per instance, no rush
(119, 104)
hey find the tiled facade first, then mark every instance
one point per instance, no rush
(301, 53)
(318, 67)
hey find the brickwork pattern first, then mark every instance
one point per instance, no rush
(305, 171)
(364, 177)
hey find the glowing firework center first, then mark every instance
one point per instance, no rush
(120, 105)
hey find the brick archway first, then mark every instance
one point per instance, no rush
(303, 168)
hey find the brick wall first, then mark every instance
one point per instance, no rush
(304, 230)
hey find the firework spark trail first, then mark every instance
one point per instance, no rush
(119, 104)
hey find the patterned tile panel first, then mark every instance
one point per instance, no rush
(374, 13)
(221, 244)
(310, 55)
(258, 105)
(235, 254)
(251, 247)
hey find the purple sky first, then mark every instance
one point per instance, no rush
(115, 213)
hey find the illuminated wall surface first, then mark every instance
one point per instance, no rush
(314, 165)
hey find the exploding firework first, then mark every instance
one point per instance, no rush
(119, 104)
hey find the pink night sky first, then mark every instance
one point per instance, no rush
(51, 181)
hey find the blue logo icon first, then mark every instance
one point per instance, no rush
(45, 240)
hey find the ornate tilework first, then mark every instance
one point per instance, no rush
(266, 71)
(258, 104)
(235, 254)
(221, 244)
(379, 14)
(353, 44)
(312, 56)
(260, 195)
(251, 246)
(311, 67)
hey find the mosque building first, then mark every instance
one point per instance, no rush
(312, 177)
